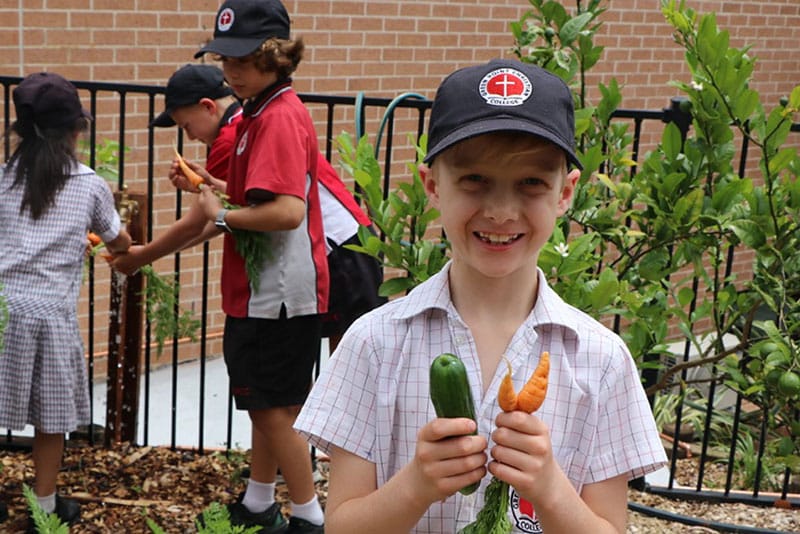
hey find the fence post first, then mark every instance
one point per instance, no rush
(676, 112)
(125, 331)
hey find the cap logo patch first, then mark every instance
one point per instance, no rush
(505, 87)
(225, 19)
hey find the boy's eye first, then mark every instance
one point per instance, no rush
(532, 181)
(472, 181)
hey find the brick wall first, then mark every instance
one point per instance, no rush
(380, 47)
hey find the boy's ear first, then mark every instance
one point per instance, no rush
(568, 190)
(430, 184)
(209, 104)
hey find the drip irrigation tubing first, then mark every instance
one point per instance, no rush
(694, 521)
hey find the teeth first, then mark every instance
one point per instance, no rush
(498, 239)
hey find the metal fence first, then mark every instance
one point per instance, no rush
(397, 118)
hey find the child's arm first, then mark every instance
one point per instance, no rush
(446, 459)
(119, 244)
(189, 230)
(523, 457)
(282, 212)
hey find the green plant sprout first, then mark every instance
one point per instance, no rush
(45, 523)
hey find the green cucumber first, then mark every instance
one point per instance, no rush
(451, 395)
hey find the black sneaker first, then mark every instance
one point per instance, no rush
(301, 526)
(271, 520)
(67, 510)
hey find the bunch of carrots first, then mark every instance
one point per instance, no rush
(493, 517)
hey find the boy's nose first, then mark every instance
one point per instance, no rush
(500, 207)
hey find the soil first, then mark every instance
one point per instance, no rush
(119, 488)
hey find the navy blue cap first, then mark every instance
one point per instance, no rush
(47, 100)
(242, 25)
(502, 95)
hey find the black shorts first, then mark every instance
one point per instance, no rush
(270, 361)
(355, 278)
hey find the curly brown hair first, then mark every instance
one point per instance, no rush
(280, 56)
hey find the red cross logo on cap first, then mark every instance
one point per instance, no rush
(505, 87)
(225, 20)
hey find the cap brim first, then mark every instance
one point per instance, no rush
(231, 46)
(500, 124)
(86, 114)
(163, 120)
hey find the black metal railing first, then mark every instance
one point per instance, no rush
(337, 114)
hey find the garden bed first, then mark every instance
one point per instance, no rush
(118, 488)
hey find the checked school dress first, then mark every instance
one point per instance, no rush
(43, 379)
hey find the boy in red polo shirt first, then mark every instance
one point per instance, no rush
(273, 332)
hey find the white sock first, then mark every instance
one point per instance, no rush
(47, 503)
(310, 511)
(258, 496)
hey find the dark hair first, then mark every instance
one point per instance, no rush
(280, 56)
(44, 158)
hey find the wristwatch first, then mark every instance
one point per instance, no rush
(220, 223)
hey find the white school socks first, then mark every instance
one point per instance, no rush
(258, 496)
(310, 511)
(48, 503)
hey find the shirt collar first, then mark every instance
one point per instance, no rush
(254, 105)
(231, 113)
(434, 293)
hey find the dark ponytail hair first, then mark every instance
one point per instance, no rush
(44, 158)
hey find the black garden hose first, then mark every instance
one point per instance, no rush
(694, 521)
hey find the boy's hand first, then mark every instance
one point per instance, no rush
(447, 458)
(179, 179)
(523, 455)
(130, 261)
(209, 202)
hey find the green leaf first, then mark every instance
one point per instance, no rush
(749, 232)
(395, 286)
(671, 142)
(569, 31)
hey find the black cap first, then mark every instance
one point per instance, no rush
(502, 95)
(46, 99)
(188, 85)
(242, 25)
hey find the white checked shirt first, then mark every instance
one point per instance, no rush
(373, 396)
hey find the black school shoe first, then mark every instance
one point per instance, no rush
(270, 520)
(67, 510)
(301, 526)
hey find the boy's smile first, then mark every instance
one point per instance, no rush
(498, 239)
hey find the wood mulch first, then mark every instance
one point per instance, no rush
(118, 488)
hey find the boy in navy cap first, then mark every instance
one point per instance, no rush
(273, 331)
(501, 168)
(199, 101)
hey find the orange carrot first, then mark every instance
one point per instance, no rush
(531, 396)
(94, 239)
(193, 177)
(506, 396)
